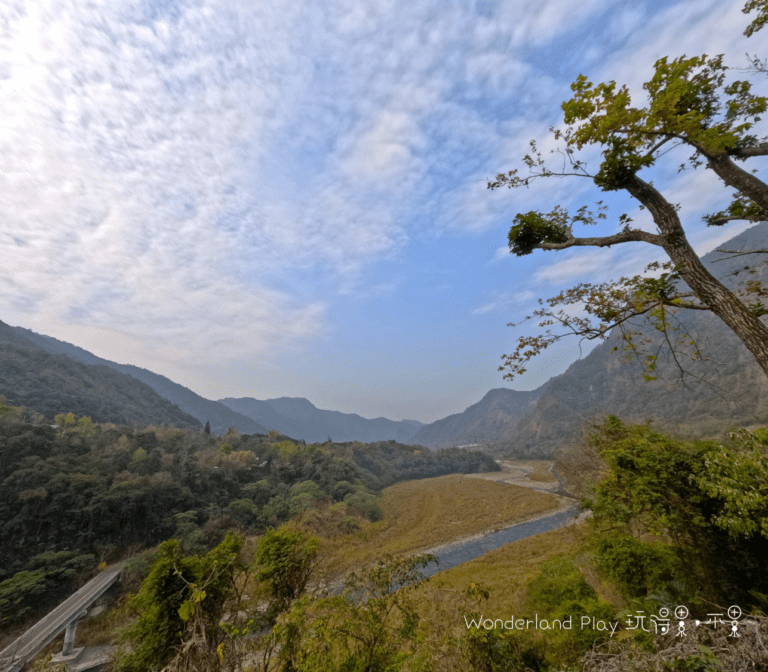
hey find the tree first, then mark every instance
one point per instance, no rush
(372, 627)
(181, 605)
(709, 498)
(207, 429)
(690, 105)
(285, 560)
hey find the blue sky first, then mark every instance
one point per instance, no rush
(289, 199)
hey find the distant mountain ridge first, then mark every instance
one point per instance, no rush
(495, 415)
(294, 417)
(522, 424)
(299, 418)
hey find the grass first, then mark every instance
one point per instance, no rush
(504, 572)
(426, 513)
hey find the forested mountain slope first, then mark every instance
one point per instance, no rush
(205, 410)
(73, 496)
(495, 415)
(728, 388)
(53, 384)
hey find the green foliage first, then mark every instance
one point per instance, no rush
(28, 591)
(503, 651)
(557, 592)
(20, 594)
(177, 588)
(115, 488)
(639, 568)
(65, 421)
(532, 228)
(372, 627)
(686, 100)
(244, 513)
(139, 455)
(364, 504)
(285, 449)
(762, 15)
(709, 499)
(9, 412)
(285, 560)
(304, 496)
(342, 489)
(738, 478)
(85, 426)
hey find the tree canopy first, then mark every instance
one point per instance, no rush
(690, 105)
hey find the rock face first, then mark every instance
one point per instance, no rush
(727, 389)
(300, 419)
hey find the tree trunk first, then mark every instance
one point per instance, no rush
(723, 303)
(738, 178)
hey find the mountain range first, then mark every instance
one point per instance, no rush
(297, 417)
(36, 356)
(52, 376)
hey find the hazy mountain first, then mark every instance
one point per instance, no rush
(730, 389)
(53, 383)
(205, 410)
(495, 415)
(299, 418)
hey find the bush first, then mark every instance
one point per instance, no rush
(560, 591)
(364, 504)
(639, 567)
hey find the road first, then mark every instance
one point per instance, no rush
(14, 657)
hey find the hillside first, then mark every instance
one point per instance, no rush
(53, 384)
(70, 493)
(299, 418)
(728, 388)
(495, 415)
(205, 410)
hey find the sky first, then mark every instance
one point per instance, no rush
(290, 198)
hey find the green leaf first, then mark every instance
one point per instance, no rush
(186, 610)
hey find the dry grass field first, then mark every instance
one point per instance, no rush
(423, 514)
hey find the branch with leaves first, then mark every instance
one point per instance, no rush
(613, 305)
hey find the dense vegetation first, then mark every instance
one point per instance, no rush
(51, 384)
(675, 522)
(81, 493)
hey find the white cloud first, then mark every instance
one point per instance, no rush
(382, 153)
(487, 308)
(182, 178)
